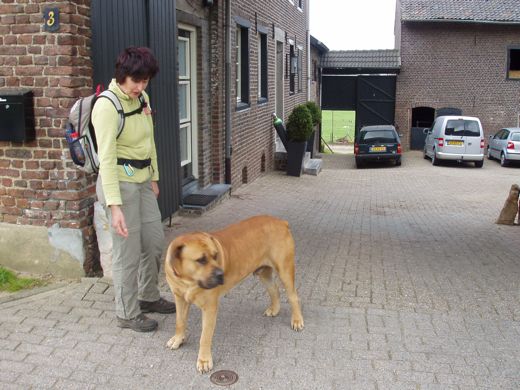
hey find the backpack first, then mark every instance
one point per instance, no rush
(80, 134)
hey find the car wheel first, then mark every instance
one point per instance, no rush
(503, 160)
(398, 162)
(425, 156)
(489, 156)
(479, 164)
(359, 164)
(435, 161)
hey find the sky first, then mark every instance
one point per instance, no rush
(353, 24)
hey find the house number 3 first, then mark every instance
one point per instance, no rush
(51, 16)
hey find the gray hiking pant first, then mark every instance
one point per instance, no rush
(136, 260)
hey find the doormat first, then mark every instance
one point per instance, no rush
(198, 199)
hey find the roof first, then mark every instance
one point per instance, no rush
(320, 46)
(474, 11)
(378, 127)
(361, 59)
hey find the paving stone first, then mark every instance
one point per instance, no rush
(403, 285)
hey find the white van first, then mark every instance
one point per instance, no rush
(458, 138)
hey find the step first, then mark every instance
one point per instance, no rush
(313, 166)
(198, 201)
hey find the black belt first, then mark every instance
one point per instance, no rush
(139, 164)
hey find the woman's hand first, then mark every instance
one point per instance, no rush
(155, 188)
(118, 221)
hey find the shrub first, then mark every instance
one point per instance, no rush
(299, 124)
(315, 111)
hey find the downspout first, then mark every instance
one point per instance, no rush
(227, 95)
(307, 22)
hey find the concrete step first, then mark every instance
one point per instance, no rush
(191, 201)
(312, 166)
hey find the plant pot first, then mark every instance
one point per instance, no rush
(295, 153)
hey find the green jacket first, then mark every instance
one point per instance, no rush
(136, 142)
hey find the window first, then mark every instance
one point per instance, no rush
(299, 69)
(262, 66)
(293, 66)
(300, 4)
(242, 65)
(461, 127)
(377, 136)
(513, 66)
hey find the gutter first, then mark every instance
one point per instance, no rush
(227, 94)
(462, 21)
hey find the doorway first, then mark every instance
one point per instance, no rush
(279, 91)
(187, 53)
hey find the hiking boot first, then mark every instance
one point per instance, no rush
(141, 323)
(160, 306)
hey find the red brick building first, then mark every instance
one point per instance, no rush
(461, 54)
(228, 83)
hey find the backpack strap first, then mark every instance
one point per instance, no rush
(119, 108)
(117, 105)
(143, 105)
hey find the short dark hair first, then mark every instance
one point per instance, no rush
(136, 62)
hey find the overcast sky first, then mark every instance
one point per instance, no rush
(353, 24)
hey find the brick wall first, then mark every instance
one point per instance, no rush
(458, 65)
(39, 184)
(252, 130)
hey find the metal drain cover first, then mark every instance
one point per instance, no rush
(223, 377)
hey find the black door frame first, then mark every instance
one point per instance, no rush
(154, 24)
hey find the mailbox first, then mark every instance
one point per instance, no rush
(16, 115)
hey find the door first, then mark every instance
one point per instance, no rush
(430, 137)
(494, 144)
(279, 91)
(115, 25)
(454, 137)
(375, 101)
(473, 135)
(187, 103)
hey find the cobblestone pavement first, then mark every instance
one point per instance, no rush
(405, 283)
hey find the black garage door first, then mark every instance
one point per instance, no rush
(371, 96)
(117, 24)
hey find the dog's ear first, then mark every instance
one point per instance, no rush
(219, 256)
(177, 252)
(176, 257)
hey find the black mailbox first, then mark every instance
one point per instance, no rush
(16, 115)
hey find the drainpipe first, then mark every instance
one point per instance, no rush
(308, 49)
(227, 95)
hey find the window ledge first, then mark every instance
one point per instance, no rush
(242, 106)
(262, 100)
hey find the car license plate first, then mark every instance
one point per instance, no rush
(455, 143)
(378, 149)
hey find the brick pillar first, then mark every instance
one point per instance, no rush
(39, 184)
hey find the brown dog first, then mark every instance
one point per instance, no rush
(508, 214)
(201, 267)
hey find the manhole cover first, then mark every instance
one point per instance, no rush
(224, 377)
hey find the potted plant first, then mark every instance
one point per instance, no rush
(315, 111)
(299, 128)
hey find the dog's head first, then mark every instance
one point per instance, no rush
(197, 257)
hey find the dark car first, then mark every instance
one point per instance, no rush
(377, 143)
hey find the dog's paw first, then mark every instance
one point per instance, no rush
(204, 365)
(297, 324)
(175, 342)
(272, 312)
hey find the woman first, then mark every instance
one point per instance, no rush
(127, 187)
